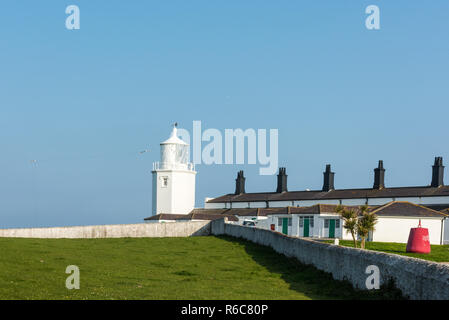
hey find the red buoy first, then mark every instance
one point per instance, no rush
(418, 240)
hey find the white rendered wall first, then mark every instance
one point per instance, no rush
(353, 202)
(380, 201)
(396, 229)
(318, 230)
(416, 200)
(154, 195)
(387, 229)
(346, 235)
(375, 201)
(434, 200)
(220, 205)
(446, 231)
(257, 218)
(280, 204)
(178, 197)
(240, 205)
(183, 191)
(263, 223)
(299, 231)
(257, 204)
(308, 203)
(178, 229)
(324, 232)
(275, 220)
(162, 195)
(270, 220)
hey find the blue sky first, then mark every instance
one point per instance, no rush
(85, 102)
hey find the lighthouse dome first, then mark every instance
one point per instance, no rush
(174, 152)
(174, 139)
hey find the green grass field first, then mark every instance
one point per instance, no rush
(162, 268)
(437, 253)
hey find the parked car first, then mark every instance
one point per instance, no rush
(249, 223)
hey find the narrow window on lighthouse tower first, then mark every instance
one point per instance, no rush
(164, 182)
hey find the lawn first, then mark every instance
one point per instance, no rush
(162, 268)
(438, 253)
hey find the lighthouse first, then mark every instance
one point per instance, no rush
(173, 178)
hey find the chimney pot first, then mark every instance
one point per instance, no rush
(240, 183)
(379, 176)
(437, 172)
(282, 181)
(328, 179)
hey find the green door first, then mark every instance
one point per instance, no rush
(306, 227)
(285, 226)
(332, 228)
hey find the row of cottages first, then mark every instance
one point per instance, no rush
(321, 221)
(395, 220)
(311, 213)
(434, 196)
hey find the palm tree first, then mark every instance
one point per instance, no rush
(365, 224)
(350, 219)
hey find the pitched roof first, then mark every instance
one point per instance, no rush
(315, 209)
(437, 207)
(242, 212)
(424, 191)
(393, 208)
(406, 209)
(192, 216)
(165, 216)
(233, 212)
(208, 211)
(209, 216)
(322, 208)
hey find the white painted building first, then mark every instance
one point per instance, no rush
(173, 178)
(395, 220)
(318, 221)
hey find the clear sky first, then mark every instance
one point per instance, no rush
(83, 103)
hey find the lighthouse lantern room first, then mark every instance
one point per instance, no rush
(173, 178)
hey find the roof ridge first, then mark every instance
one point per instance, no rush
(409, 203)
(383, 206)
(390, 192)
(421, 206)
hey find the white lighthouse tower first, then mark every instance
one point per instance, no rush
(173, 178)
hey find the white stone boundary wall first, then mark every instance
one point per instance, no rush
(178, 229)
(416, 278)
